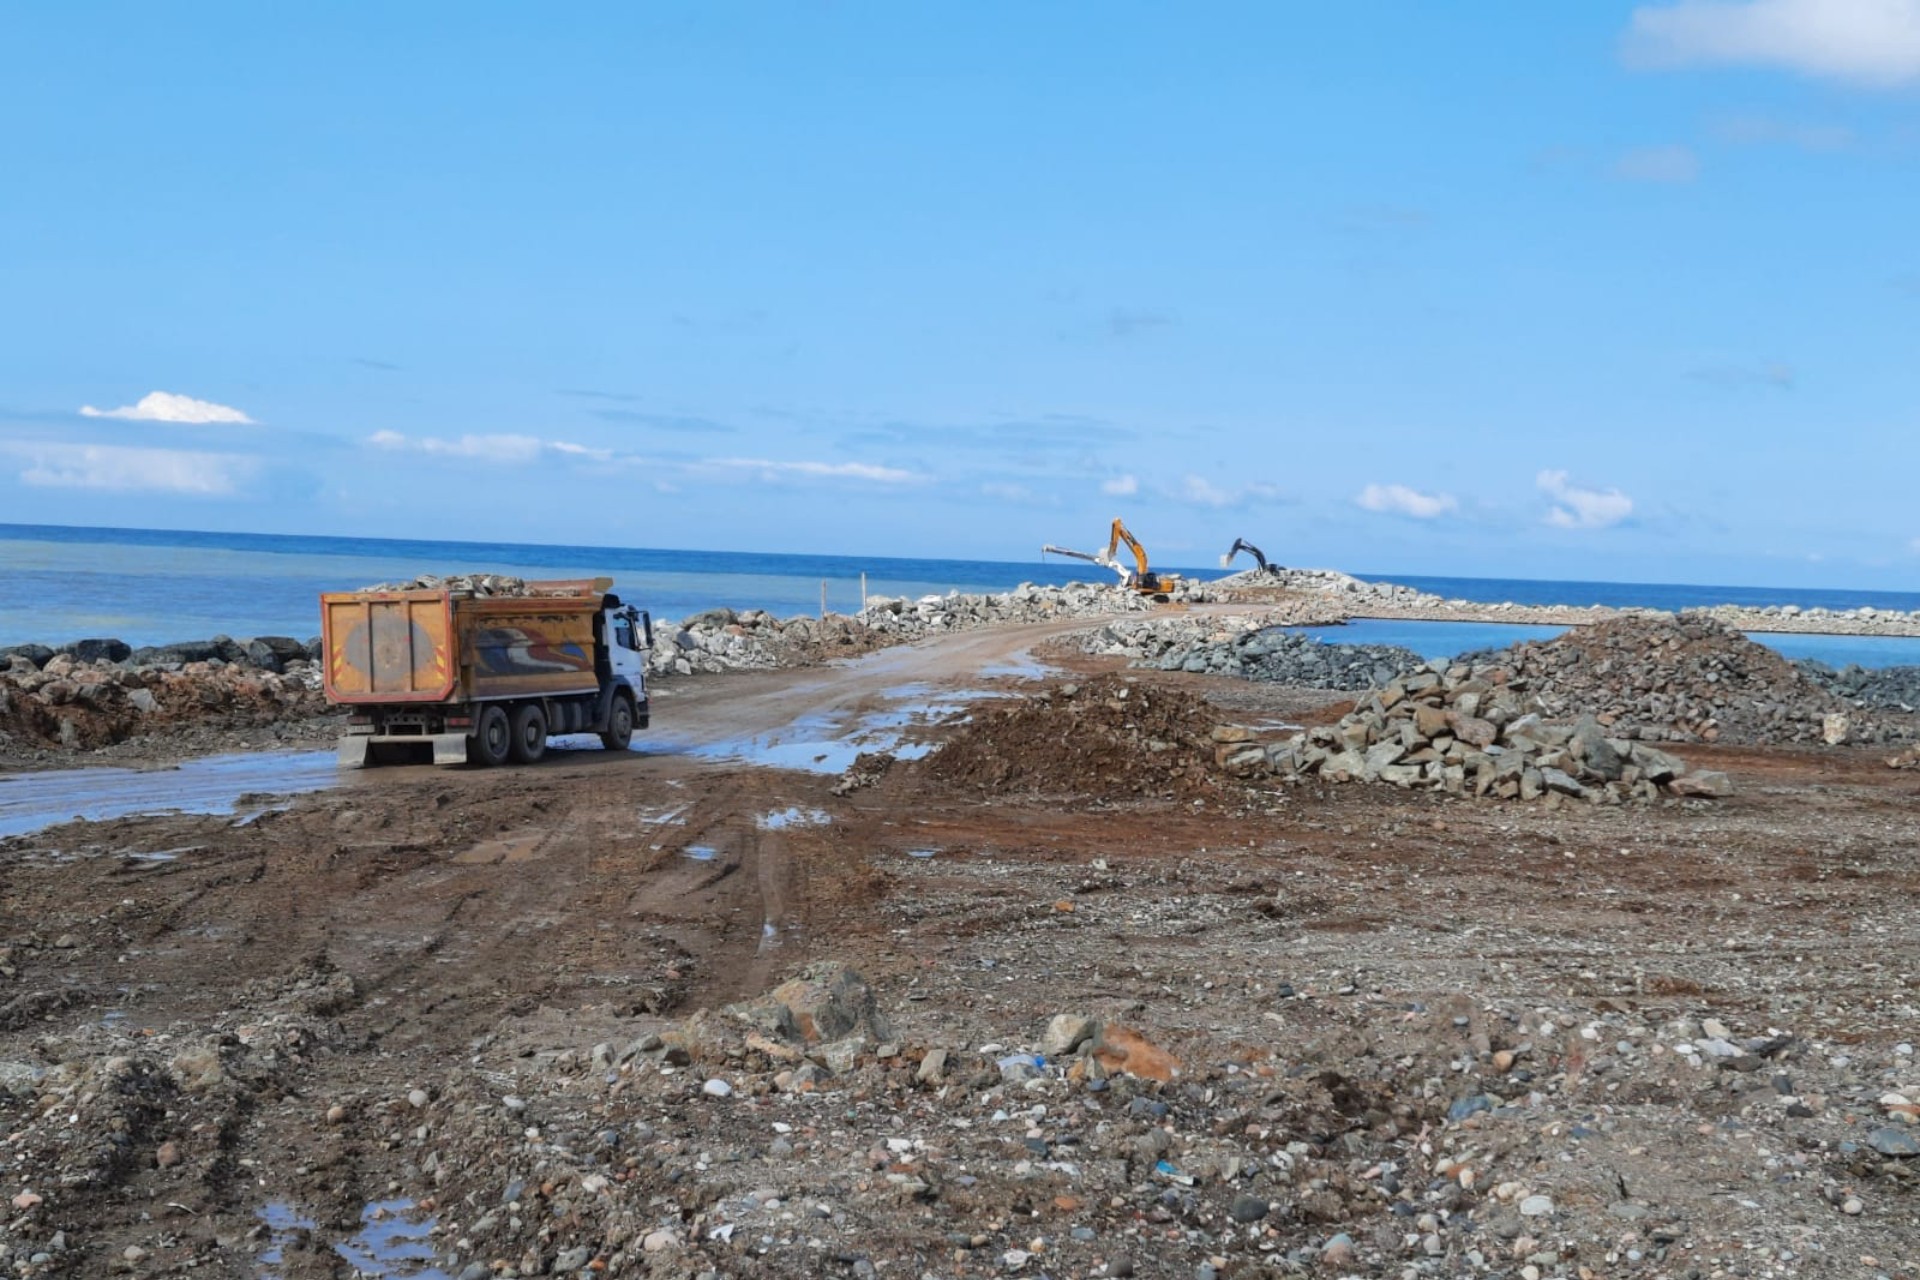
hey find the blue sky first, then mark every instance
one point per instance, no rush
(1606, 291)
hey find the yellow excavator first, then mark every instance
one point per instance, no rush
(1140, 578)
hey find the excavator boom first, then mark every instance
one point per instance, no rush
(1241, 544)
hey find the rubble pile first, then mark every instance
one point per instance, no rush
(1106, 739)
(1351, 591)
(1878, 688)
(1470, 731)
(98, 692)
(931, 615)
(1255, 648)
(754, 640)
(1683, 678)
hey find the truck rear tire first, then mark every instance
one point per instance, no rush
(492, 741)
(619, 725)
(529, 733)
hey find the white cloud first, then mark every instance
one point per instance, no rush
(1006, 491)
(1671, 163)
(573, 450)
(1201, 492)
(1401, 500)
(164, 406)
(1121, 486)
(1870, 42)
(117, 468)
(769, 470)
(501, 448)
(1755, 130)
(1577, 508)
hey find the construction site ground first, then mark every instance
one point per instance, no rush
(427, 1021)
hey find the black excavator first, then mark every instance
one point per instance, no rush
(1241, 544)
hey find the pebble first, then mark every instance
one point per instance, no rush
(1536, 1207)
(1853, 1207)
(717, 1089)
(1889, 1141)
(336, 1113)
(168, 1155)
(418, 1098)
(1248, 1209)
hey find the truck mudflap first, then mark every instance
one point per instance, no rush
(356, 750)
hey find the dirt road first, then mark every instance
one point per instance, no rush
(1402, 1023)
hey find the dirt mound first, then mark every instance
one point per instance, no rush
(1109, 738)
(1680, 678)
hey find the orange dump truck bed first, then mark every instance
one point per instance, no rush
(390, 647)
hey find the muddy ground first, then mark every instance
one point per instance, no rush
(518, 1022)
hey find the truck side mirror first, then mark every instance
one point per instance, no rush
(646, 627)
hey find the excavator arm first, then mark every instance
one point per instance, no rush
(1105, 562)
(1120, 534)
(1241, 544)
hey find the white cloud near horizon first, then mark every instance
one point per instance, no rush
(1120, 486)
(1398, 499)
(1875, 43)
(125, 469)
(1198, 491)
(1577, 508)
(499, 448)
(165, 406)
(1672, 163)
(771, 470)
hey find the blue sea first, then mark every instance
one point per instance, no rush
(147, 586)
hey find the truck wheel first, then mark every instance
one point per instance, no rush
(492, 740)
(619, 726)
(529, 732)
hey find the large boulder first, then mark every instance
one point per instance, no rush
(98, 650)
(174, 655)
(38, 654)
(829, 1002)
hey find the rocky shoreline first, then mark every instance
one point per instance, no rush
(99, 692)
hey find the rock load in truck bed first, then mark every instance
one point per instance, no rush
(477, 584)
(1108, 738)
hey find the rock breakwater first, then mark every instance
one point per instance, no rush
(1254, 648)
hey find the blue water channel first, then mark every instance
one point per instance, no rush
(1433, 640)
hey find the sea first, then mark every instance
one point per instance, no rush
(62, 583)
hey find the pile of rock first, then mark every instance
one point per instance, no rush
(931, 615)
(1684, 678)
(754, 640)
(1255, 648)
(1353, 592)
(1882, 688)
(68, 701)
(1467, 731)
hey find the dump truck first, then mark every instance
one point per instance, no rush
(484, 679)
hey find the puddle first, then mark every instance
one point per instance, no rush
(831, 742)
(284, 1223)
(164, 855)
(1022, 666)
(769, 937)
(701, 852)
(389, 1244)
(665, 816)
(921, 853)
(793, 816)
(216, 784)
